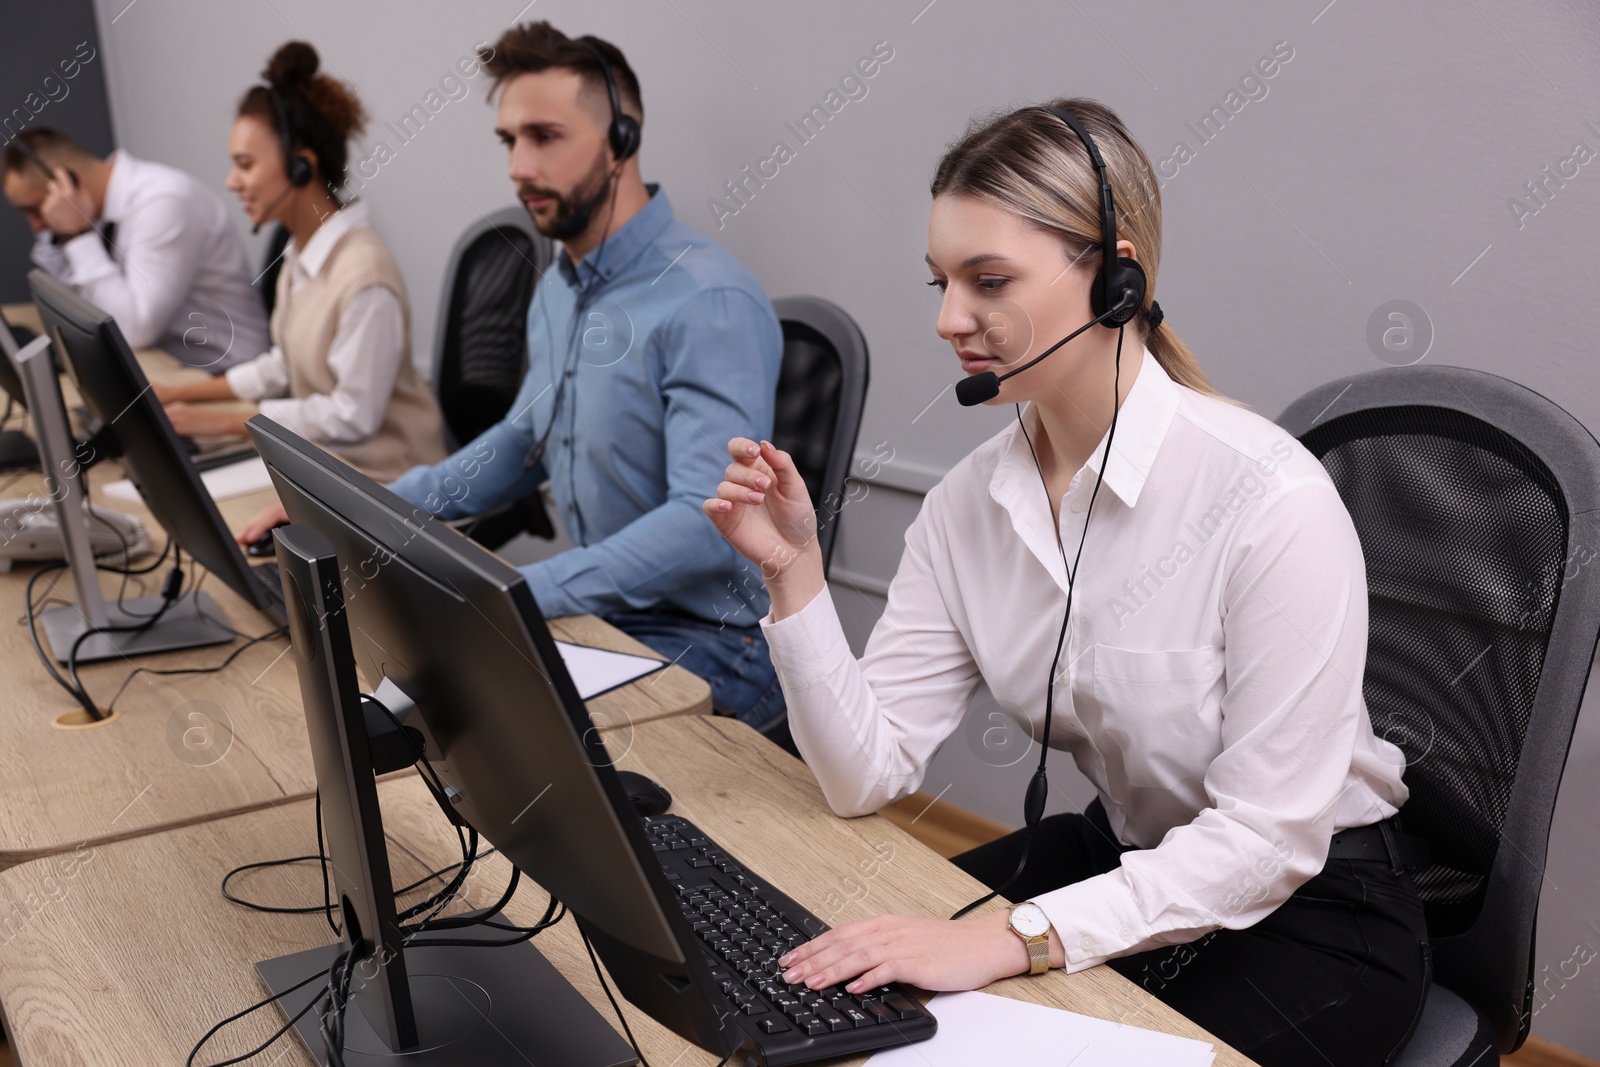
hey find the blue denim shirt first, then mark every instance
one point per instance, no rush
(648, 355)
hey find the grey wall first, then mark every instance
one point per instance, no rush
(51, 74)
(1379, 166)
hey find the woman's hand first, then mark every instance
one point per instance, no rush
(764, 511)
(167, 394)
(191, 421)
(937, 954)
(264, 521)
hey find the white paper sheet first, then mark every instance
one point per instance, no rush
(978, 1028)
(597, 670)
(235, 479)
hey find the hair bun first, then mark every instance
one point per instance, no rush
(291, 66)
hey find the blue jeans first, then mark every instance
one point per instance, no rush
(733, 660)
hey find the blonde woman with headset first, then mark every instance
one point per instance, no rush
(1156, 580)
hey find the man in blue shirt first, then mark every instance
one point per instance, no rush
(647, 346)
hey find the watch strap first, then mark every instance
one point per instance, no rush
(1038, 954)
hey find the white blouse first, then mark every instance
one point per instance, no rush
(365, 356)
(1211, 681)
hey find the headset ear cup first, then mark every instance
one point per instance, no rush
(299, 171)
(1126, 274)
(624, 136)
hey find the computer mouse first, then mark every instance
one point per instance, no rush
(263, 545)
(648, 797)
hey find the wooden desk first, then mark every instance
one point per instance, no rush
(126, 953)
(189, 748)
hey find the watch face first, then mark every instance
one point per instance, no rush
(1029, 920)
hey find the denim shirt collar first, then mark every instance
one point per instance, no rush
(619, 251)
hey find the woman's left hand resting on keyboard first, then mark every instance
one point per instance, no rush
(764, 511)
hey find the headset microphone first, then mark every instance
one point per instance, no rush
(973, 391)
(270, 208)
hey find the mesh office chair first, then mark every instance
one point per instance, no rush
(481, 349)
(822, 389)
(1475, 500)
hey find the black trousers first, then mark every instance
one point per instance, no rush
(1336, 975)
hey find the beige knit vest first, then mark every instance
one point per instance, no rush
(304, 324)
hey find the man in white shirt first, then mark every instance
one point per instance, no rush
(147, 243)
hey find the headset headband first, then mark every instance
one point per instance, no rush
(1118, 274)
(624, 132)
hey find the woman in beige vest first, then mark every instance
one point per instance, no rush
(339, 371)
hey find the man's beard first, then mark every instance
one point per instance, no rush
(575, 210)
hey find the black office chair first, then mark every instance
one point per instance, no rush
(1476, 501)
(822, 389)
(481, 354)
(272, 266)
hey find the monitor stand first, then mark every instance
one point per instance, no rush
(486, 1007)
(192, 621)
(411, 1004)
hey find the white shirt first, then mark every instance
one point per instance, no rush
(364, 357)
(1211, 681)
(178, 277)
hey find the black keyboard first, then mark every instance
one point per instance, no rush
(744, 925)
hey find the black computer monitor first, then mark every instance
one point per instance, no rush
(113, 386)
(456, 630)
(16, 448)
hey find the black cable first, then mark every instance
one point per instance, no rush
(1038, 787)
(482, 914)
(621, 1017)
(249, 643)
(76, 692)
(170, 594)
(338, 999)
(326, 907)
(257, 1006)
(436, 903)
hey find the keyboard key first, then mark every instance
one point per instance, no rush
(834, 1020)
(903, 1004)
(773, 1025)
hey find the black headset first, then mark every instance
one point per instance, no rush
(1118, 275)
(298, 168)
(624, 133)
(1114, 296)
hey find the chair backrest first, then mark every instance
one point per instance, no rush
(481, 349)
(272, 266)
(822, 388)
(1477, 502)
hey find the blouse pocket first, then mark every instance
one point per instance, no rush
(1158, 714)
